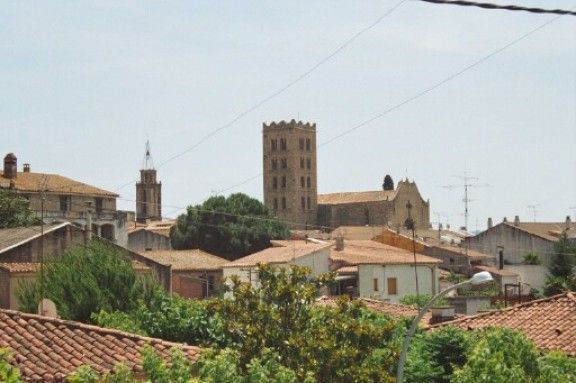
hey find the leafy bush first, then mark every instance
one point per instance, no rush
(86, 280)
(531, 258)
(420, 300)
(557, 367)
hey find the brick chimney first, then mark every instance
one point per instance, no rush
(516, 220)
(26, 168)
(490, 223)
(568, 222)
(10, 170)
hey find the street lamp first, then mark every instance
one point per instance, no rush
(477, 279)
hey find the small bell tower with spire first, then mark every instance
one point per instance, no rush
(148, 191)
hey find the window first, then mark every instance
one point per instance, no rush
(302, 181)
(301, 144)
(274, 144)
(284, 203)
(283, 181)
(284, 163)
(99, 205)
(275, 203)
(274, 183)
(308, 202)
(392, 286)
(301, 163)
(274, 164)
(303, 203)
(308, 163)
(65, 203)
(375, 282)
(307, 144)
(308, 183)
(282, 144)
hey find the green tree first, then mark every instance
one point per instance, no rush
(388, 183)
(342, 344)
(562, 268)
(86, 280)
(499, 355)
(557, 367)
(15, 210)
(230, 227)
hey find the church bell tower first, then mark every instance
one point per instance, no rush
(148, 191)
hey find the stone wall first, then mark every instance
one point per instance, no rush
(142, 240)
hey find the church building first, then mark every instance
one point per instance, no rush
(290, 187)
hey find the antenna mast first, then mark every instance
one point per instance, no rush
(148, 163)
(534, 211)
(467, 184)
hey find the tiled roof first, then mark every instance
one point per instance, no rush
(52, 183)
(549, 322)
(18, 235)
(48, 349)
(371, 252)
(31, 267)
(394, 310)
(186, 260)
(347, 270)
(19, 267)
(547, 230)
(496, 271)
(280, 254)
(356, 197)
(472, 254)
(158, 227)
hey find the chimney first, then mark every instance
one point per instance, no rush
(10, 170)
(447, 226)
(489, 222)
(339, 243)
(505, 220)
(26, 168)
(439, 232)
(516, 220)
(568, 222)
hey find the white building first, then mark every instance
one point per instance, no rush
(374, 270)
(312, 254)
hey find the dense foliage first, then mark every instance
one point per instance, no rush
(15, 210)
(420, 300)
(230, 227)
(84, 280)
(495, 355)
(562, 268)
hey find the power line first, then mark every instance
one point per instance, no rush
(278, 92)
(502, 7)
(423, 92)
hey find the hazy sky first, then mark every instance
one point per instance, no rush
(83, 85)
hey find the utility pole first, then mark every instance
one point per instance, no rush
(410, 224)
(467, 184)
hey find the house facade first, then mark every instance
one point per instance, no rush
(56, 199)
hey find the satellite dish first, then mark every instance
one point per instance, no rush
(47, 308)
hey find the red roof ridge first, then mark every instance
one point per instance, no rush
(83, 326)
(569, 295)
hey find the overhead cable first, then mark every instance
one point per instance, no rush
(502, 7)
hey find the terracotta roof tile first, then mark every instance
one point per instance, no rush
(279, 253)
(186, 260)
(371, 252)
(52, 183)
(549, 322)
(55, 347)
(356, 197)
(496, 271)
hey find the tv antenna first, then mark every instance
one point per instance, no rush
(468, 182)
(534, 210)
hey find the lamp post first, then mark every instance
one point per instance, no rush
(477, 279)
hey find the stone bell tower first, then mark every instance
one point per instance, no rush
(148, 191)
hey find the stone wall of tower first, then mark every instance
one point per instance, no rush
(290, 172)
(148, 197)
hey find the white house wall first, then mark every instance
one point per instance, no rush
(405, 281)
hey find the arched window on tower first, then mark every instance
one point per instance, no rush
(303, 203)
(308, 202)
(284, 203)
(302, 181)
(283, 181)
(274, 183)
(308, 183)
(275, 203)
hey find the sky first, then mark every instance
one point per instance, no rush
(84, 85)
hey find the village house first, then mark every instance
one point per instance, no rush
(312, 254)
(49, 349)
(61, 199)
(524, 248)
(153, 235)
(195, 273)
(371, 269)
